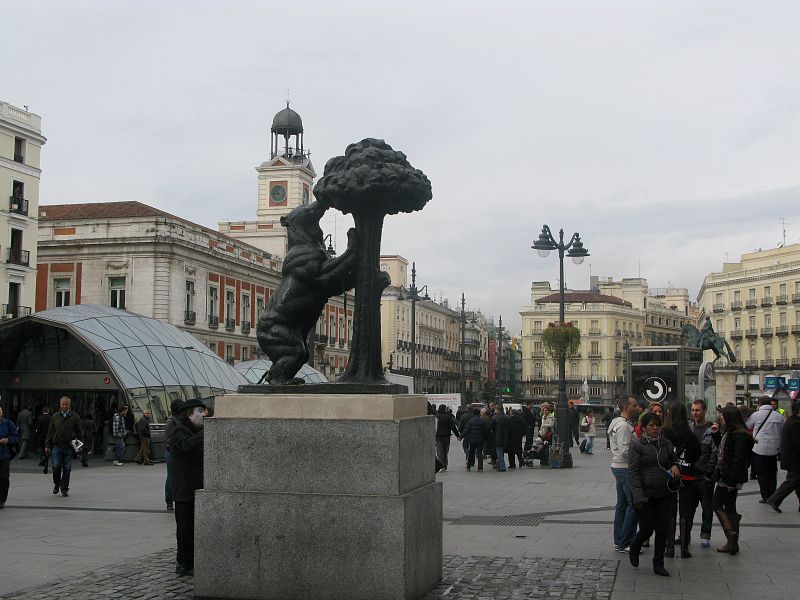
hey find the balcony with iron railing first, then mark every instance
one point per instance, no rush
(751, 364)
(767, 332)
(19, 205)
(230, 324)
(718, 308)
(617, 332)
(18, 256)
(751, 333)
(767, 363)
(736, 305)
(321, 338)
(766, 301)
(795, 329)
(595, 354)
(14, 311)
(782, 299)
(618, 355)
(189, 317)
(736, 334)
(594, 331)
(245, 327)
(782, 330)
(795, 298)
(782, 363)
(213, 321)
(751, 303)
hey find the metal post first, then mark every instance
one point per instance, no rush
(463, 384)
(414, 321)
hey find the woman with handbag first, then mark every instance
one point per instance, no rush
(589, 430)
(547, 428)
(731, 474)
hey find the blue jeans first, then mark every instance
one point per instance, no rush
(624, 515)
(501, 458)
(168, 482)
(62, 466)
(119, 449)
(589, 444)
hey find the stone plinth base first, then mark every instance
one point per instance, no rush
(339, 507)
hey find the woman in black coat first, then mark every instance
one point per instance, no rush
(687, 451)
(651, 463)
(733, 463)
(186, 454)
(475, 432)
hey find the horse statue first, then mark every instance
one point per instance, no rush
(707, 339)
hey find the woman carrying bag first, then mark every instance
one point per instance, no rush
(589, 430)
(652, 466)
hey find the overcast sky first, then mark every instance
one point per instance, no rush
(666, 133)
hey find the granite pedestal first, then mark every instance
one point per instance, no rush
(318, 496)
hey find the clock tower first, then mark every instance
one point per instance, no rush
(285, 182)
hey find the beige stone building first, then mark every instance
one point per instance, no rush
(21, 142)
(610, 316)
(755, 304)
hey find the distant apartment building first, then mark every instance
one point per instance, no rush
(611, 316)
(21, 142)
(755, 305)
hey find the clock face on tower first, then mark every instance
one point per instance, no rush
(278, 194)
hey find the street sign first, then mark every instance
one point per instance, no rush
(794, 385)
(774, 383)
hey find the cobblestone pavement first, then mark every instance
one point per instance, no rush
(464, 578)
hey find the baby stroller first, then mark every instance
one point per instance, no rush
(540, 450)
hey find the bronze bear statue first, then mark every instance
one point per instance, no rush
(309, 277)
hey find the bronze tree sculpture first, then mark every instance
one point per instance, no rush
(370, 181)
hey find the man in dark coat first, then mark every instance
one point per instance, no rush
(445, 425)
(530, 424)
(790, 459)
(572, 419)
(514, 449)
(474, 432)
(186, 454)
(40, 429)
(143, 431)
(501, 432)
(65, 426)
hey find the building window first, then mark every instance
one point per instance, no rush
(784, 351)
(574, 391)
(116, 286)
(751, 293)
(259, 306)
(737, 323)
(595, 348)
(767, 320)
(213, 301)
(19, 150)
(62, 287)
(595, 370)
(768, 351)
(229, 353)
(189, 296)
(213, 347)
(737, 296)
(537, 370)
(573, 370)
(246, 307)
(537, 327)
(245, 353)
(230, 304)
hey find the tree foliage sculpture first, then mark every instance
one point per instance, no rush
(370, 181)
(560, 340)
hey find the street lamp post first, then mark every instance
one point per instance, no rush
(413, 294)
(575, 250)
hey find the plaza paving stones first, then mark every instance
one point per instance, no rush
(464, 578)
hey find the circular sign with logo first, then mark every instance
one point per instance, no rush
(655, 389)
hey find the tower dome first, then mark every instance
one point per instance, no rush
(287, 122)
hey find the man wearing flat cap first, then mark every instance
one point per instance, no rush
(186, 454)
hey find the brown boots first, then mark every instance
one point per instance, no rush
(730, 525)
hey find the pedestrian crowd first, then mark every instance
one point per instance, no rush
(667, 464)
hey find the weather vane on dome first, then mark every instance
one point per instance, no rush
(287, 98)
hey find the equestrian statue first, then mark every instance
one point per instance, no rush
(707, 339)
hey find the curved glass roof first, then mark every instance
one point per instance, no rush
(254, 370)
(145, 352)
